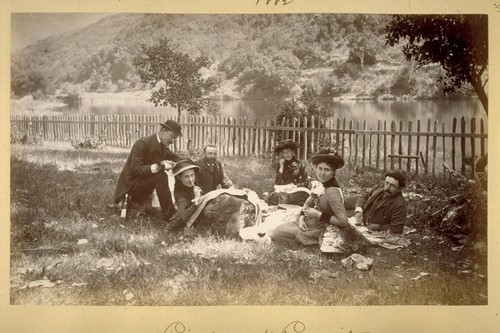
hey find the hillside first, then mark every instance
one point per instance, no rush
(253, 56)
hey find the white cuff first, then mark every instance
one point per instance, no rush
(154, 168)
(358, 210)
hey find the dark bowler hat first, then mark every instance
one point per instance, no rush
(328, 156)
(286, 144)
(173, 126)
(183, 165)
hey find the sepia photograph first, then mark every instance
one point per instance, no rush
(284, 159)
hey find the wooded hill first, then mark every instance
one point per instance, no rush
(253, 56)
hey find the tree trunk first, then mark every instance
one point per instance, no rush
(481, 94)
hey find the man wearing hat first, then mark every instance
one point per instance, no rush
(144, 170)
(383, 207)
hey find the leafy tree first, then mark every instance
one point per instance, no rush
(363, 39)
(31, 81)
(178, 75)
(459, 43)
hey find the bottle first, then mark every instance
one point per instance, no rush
(124, 207)
(197, 194)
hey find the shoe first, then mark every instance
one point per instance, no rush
(175, 223)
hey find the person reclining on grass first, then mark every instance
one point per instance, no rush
(383, 207)
(291, 172)
(186, 193)
(144, 170)
(224, 210)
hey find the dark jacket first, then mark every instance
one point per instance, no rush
(209, 178)
(294, 171)
(183, 198)
(145, 152)
(388, 213)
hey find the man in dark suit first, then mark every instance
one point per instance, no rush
(383, 207)
(211, 175)
(144, 170)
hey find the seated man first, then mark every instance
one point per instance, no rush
(211, 175)
(383, 208)
(144, 170)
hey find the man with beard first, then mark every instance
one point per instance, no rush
(211, 175)
(383, 208)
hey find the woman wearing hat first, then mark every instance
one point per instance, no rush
(327, 208)
(290, 170)
(186, 194)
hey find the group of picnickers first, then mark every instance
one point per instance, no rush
(381, 208)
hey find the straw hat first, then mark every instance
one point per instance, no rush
(183, 165)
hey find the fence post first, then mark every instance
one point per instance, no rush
(473, 146)
(400, 149)
(379, 128)
(363, 153)
(350, 141)
(444, 148)
(305, 138)
(417, 153)
(393, 138)
(434, 148)
(427, 146)
(408, 160)
(482, 138)
(462, 143)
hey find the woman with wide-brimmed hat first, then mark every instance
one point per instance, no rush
(321, 209)
(186, 193)
(289, 171)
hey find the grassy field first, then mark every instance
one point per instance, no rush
(69, 248)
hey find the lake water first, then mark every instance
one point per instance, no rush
(371, 111)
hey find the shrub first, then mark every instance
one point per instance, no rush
(89, 142)
(26, 138)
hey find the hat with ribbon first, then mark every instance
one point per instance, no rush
(329, 156)
(183, 165)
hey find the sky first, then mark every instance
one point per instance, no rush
(28, 28)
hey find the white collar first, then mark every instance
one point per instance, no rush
(158, 137)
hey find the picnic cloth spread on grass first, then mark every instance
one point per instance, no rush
(386, 238)
(276, 218)
(334, 239)
(246, 194)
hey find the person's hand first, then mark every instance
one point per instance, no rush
(372, 226)
(359, 218)
(302, 223)
(311, 213)
(168, 165)
(155, 168)
(282, 164)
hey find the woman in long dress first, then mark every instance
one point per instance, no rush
(186, 193)
(321, 209)
(290, 171)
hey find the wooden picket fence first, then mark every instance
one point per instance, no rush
(419, 147)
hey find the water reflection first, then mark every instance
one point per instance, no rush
(371, 111)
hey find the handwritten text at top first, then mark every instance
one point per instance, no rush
(276, 2)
